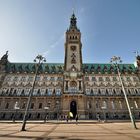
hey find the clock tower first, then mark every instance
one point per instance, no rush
(73, 95)
(73, 46)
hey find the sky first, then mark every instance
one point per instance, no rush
(32, 27)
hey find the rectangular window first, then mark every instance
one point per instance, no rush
(107, 79)
(114, 78)
(87, 91)
(128, 78)
(52, 79)
(23, 79)
(23, 105)
(135, 79)
(50, 91)
(58, 91)
(45, 78)
(86, 78)
(15, 78)
(59, 79)
(7, 106)
(8, 78)
(30, 79)
(38, 78)
(93, 78)
(40, 105)
(100, 78)
(32, 105)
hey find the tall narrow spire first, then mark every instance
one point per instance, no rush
(73, 21)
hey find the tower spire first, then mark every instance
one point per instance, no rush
(73, 21)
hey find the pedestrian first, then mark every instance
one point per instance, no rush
(67, 118)
(98, 117)
(76, 118)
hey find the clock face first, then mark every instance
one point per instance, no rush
(73, 48)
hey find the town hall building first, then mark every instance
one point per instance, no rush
(86, 89)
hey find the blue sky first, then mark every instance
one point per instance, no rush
(31, 27)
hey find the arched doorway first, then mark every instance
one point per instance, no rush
(73, 108)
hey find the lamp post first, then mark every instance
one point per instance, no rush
(16, 108)
(115, 60)
(39, 59)
(133, 113)
(57, 108)
(46, 110)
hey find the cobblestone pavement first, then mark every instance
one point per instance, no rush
(71, 131)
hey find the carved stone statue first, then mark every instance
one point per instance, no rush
(5, 56)
(138, 60)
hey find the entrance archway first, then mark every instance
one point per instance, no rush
(73, 108)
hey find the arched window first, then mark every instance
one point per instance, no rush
(113, 104)
(15, 91)
(105, 104)
(97, 104)
(120, 103)
(22, 92)
(38, 92)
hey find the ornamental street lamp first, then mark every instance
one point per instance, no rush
(115, 60)
(16, 108)
(133, 113)
(46, 110)
(39, 59)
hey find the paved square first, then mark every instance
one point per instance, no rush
(70, 131)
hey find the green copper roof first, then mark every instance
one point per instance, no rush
(30, 67)
(93, 67)
(59, 67)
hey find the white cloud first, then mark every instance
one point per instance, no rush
(54, 45)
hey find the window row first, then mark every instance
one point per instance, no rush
(111, 91)
(111, 78)
(33, 105)
(25, 92)
(114, 104)
(31, 78)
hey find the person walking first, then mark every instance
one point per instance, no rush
(76, 118)
(67, 118)
(98, 117)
